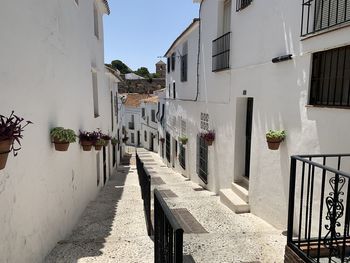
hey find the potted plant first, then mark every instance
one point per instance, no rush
(11, 129)
(106, 138)
(62, 137)
(208, 136)
(99, 144)
(274, 138)
(183, 140)
(87, 139)
(114, 141)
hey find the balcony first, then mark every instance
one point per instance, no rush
(318, 15)
(131, 126)
(319, 209)
(221, 53)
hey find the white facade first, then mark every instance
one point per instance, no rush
(280, 94)
(50, 53)
(149, 124)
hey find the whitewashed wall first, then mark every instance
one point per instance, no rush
(127, 117)
(149, 126)
(48, 49)
(280, 93)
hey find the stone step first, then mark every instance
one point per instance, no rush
(241, 191)
(233, 201)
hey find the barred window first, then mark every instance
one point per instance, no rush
(167, 146)
(153, 115)
(168, 64)
(173, 60)
(241, 4)
(145, 135)
(330, 80)
(184, 62)
(182, 157)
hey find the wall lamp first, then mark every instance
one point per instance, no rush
(282, 58)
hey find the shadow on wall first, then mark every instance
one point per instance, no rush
(95, 225)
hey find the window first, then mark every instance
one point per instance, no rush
(169, 91)
(168, 64)
(112, 112)
(174, 90)
(202, 159)
(153, 115)
(143, 112)
(321, 14)
(95, 94)
(241, 4)
(96, 23)
(173, 60)
(204, 121)
(330, 80)
(145, 135)
(167, 146)
(226, 23)
(184, 62)
(182, 157)
(132, 138)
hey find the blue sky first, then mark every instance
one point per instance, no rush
(139, 31)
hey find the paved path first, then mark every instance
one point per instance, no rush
(227, 237)
(113, 229)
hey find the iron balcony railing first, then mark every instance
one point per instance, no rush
(131, 126)
(319, 208)
(145, 184)
(318, 15)
(221, 52)
(168, 235)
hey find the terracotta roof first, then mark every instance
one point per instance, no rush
(194, 22)
(153, 100)
(134, 99)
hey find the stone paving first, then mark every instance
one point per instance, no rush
(113, 228)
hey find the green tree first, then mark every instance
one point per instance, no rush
(119, 65)
(143, 72)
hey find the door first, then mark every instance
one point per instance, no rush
(248, 136)
(104, 166)
(138, 138)
(151, 142)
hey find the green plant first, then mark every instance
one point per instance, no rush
(101, 142)
(114, 141)
(61, 134)
(183, 139)
(276, 135)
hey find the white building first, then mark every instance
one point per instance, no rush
(131, 120)
(149, 123)
(240, 94)
(52, 73)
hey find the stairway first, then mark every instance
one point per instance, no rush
(236, 198)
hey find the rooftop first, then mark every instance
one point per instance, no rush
(134, 99)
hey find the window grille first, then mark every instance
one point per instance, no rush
(241, 4)
(202, 159)
(167, 146)
(182, 157)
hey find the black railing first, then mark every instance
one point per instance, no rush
(221, 52)
(131, 126)
(145, 184)
(318, 15)
(168, 235)
(319, 208)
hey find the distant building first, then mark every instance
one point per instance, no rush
(161, 69)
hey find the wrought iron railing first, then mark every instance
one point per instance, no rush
(318, 15)
(168, 235)
(221, 52)
(145, 184)
(319, 208)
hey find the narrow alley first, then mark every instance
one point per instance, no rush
(113, 227)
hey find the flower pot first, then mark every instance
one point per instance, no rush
(5, 147)
(209, 143)
(98, 147)
(61, 146)
(273, 144)
(87, 145)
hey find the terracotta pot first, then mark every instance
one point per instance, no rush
(5, 146)
(61, 146)
(273, 144)
(98, 147)
(87, 146)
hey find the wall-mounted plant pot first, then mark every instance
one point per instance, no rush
(87, 146)
(5, 147)
(98, 147)
(209, 143)
(61, 146)
(273, 144)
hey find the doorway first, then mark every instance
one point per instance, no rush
(248, 136)
(151, 142)
(138, 138)
(104, 166)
